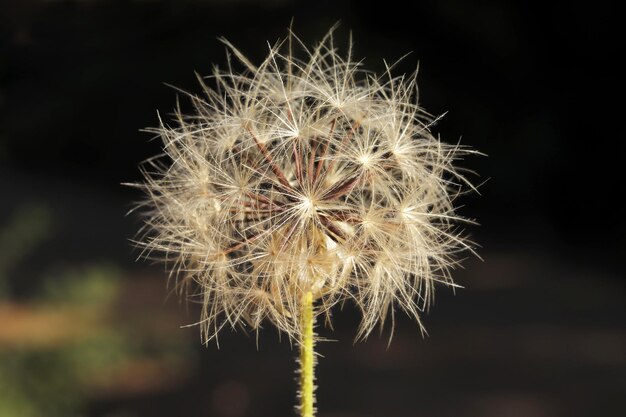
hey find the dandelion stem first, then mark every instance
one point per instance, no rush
(307, 358)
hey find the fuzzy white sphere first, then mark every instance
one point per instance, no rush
(304, 175)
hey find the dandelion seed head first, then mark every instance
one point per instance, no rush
(303, 174)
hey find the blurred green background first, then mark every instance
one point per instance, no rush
(538, 330)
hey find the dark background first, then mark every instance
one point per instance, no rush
(538, 329)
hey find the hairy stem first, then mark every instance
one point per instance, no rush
(307, 358)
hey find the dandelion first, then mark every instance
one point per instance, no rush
(301, 183)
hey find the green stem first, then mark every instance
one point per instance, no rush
(307, 358)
